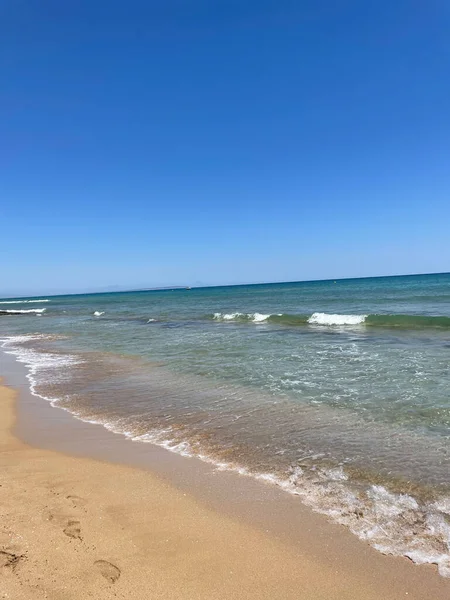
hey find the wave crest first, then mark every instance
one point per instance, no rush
(388, 321)
(326, 319)
(18, 311)
(21, 301)
(246, 317)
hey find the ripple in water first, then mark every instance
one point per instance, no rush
(388, 483)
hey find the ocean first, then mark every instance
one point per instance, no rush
(336, 391)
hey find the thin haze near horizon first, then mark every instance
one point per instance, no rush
(147, 144)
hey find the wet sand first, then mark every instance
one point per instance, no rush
(77, 527)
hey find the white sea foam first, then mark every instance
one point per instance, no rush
(98, 313)
(227, 316)
(259, 318)
(21, 301)
(18, 311)
(33, 359)
(236, 316)
(326, 319)
(443, 505)
(315, 319)
(387, 521)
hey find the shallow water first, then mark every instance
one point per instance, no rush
(336, 391)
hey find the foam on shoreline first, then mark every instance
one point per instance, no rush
(392, 523)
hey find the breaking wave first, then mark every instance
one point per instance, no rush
(22, 301)
(246, 317)
(18, 311)
(325, 319)
(336, 320)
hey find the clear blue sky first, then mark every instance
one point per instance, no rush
(181, 142)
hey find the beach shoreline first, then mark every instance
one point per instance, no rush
(348, 418)
(74, 526)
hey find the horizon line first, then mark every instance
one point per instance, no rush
(199, 287)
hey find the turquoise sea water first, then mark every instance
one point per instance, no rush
(338, 391)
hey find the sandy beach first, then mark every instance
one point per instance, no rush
(74, 527)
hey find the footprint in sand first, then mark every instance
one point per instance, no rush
(76, 501)
(9, 559)
(108, 570)
(57, 518)
(73, 529)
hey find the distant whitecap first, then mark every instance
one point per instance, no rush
(18, 311)
(325, 319)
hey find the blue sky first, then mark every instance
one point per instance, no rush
(160, 143)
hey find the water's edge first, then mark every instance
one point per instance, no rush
(385, 502)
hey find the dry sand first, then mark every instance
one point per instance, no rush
(80, 528)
